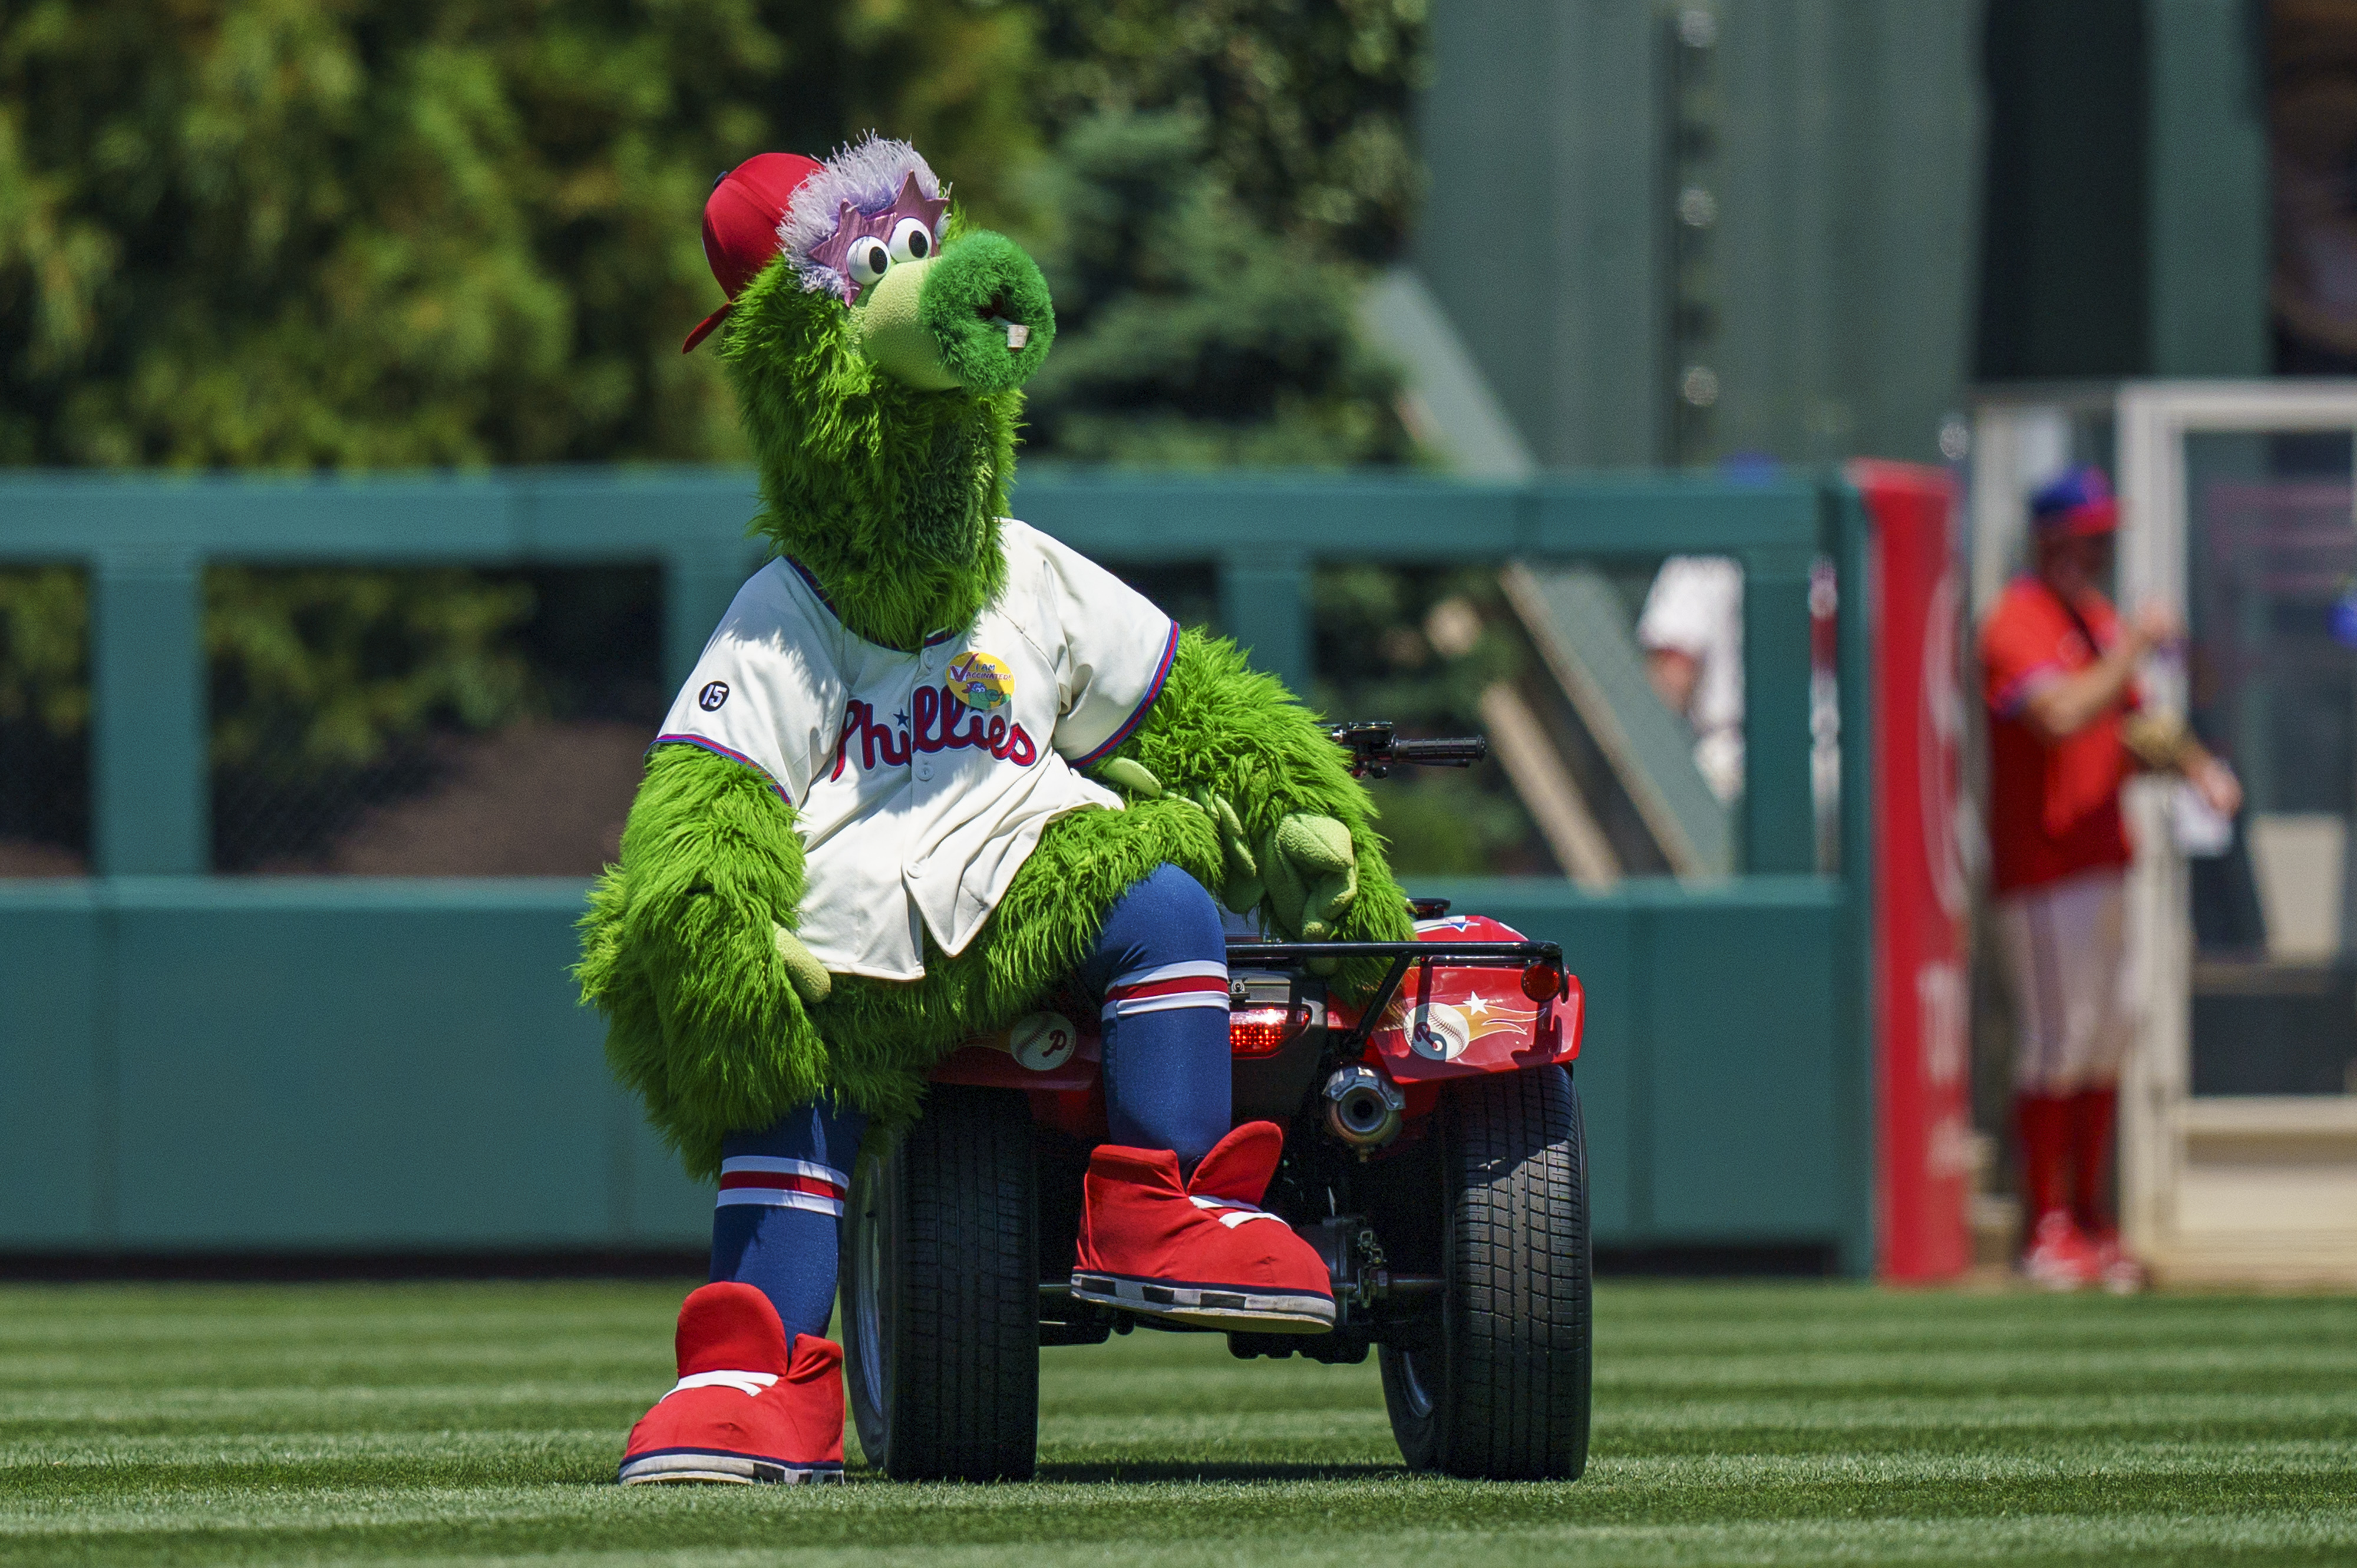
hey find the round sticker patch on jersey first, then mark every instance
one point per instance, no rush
(981, 680)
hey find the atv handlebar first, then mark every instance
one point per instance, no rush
(1376, 749)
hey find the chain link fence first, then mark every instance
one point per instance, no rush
(44, 721)
(428, 723)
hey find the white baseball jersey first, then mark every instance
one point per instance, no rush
(922, 781)
(1696, 608)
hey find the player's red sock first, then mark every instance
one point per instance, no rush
(2045, 1123)
(2092, 1111)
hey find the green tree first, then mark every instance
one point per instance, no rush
(1304, 102)
(1188, 335)
(360, 233)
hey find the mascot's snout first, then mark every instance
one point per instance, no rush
(975, 317)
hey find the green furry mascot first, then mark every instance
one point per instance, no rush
(929, 763)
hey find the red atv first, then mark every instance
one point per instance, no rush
(1433, 1155)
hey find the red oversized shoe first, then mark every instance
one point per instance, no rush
(744, 1410)
(1203, 1252)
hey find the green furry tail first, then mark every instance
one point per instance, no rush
(679, 950)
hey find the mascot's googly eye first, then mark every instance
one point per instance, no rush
(868, 258)
(911, 240)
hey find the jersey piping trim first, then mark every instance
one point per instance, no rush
(1137, 714)
(812, 582)
(935, 640)
(717, 748)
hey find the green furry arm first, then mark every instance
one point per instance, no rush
(680, 952)
(1223, 727)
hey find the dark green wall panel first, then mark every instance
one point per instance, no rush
(661, 1207)
(1831, 293)
(1741, 1108)
(203, 1064)
(2210, 238)
(356, 1076)
(51, 1088)
(315, 1064)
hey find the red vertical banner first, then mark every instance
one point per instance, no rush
(1923, 1089)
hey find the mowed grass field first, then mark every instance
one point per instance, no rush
(1733, 1423)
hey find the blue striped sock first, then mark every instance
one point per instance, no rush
(1161, 966)
(779, 1220)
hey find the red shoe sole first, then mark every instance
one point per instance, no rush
(1209, 1307)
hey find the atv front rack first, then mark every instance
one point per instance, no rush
(1526, 956)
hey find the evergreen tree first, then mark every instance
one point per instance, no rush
(1189, 335)
(1303, 103)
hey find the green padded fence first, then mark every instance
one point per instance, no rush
(200, 1064)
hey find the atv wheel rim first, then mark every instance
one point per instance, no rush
(1419, 1400)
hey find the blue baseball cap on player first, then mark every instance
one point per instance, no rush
(2080, 502)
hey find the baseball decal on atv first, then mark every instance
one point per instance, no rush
(981, 680)
(1438, 1032)
(1043, 1041)
(1469, 1020)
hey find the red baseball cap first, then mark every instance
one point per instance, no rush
(740, 225)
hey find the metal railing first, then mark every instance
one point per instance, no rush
(146, 542)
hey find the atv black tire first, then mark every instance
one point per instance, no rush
(941, 1292)
(1496, 1389)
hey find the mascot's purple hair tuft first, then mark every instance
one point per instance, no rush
(865, 177)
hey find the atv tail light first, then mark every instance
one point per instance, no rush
(1264, 1031)
(1543, 980)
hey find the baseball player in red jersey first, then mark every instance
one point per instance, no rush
(2065, 732)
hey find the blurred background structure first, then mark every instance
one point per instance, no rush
(1492, 243)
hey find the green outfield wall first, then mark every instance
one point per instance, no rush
(202, 1064)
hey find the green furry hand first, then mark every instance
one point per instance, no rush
(1240, 886)
(1312, 873)
(811, 982)
(1130, 775)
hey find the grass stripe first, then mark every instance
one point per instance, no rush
(1753, 1425)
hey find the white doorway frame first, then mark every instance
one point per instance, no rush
(2246, 1187)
